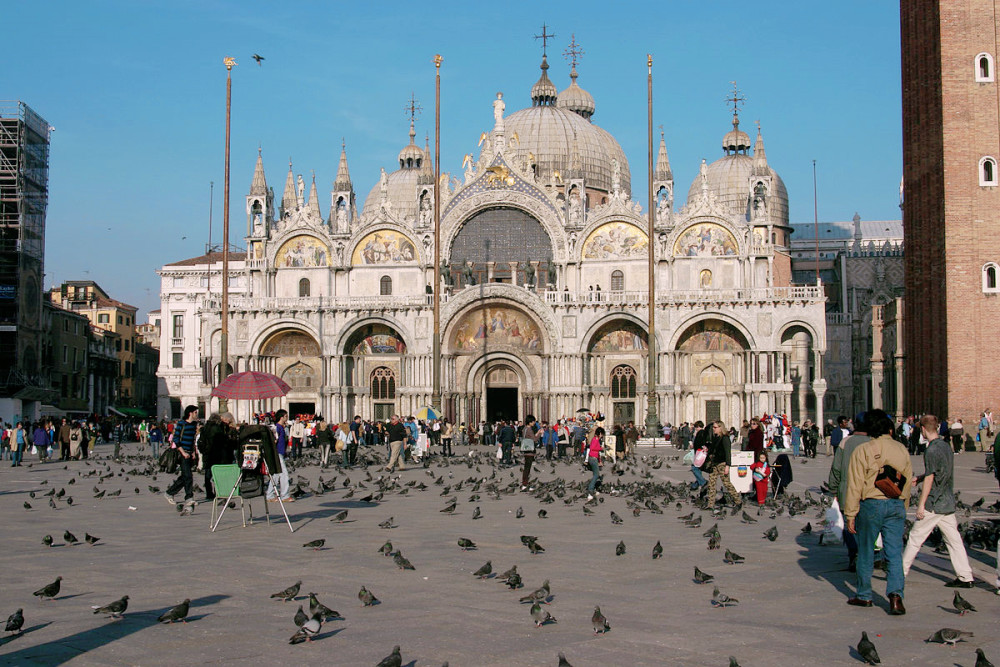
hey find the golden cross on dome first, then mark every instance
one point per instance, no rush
(545, 37)
(573, 51)
(736, 99)
(412, 108)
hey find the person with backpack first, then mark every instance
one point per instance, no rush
(184, 437)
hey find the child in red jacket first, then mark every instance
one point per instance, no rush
(761, 473)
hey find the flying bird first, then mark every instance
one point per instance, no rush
(258, 58)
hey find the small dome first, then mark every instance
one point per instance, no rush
(402, 194)
(736, 140)
(576, 99)
(729, 180)
(544, 92)
(411, 157)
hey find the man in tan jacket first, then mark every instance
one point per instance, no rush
(868, 511)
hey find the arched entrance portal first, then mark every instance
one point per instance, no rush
(502, 384)
(295, 357)
(711, 370)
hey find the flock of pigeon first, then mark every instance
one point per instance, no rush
(632, 488)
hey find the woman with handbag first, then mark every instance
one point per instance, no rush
(529, 442)
(594, 461)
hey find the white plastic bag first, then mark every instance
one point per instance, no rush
(834, 523)
(499, 452)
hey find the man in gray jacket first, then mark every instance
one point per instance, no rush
(837, 481)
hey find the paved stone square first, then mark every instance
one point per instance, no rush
(792, 592)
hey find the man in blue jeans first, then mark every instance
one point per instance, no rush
(279, 480)
(869, 510)
(184, 437)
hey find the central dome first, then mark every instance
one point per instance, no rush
(553, 130)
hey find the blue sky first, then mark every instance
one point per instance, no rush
(136, 92)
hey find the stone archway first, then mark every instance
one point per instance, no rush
(711, 357)
(295, 357)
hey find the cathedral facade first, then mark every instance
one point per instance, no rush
(543, 285)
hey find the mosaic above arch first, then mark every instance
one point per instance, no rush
(705, 240)
(386, 246)
(618, 337)
(376, 339)
(615, 240)
(712, 336)
(499, 326)
(290, 344)
(302, 252)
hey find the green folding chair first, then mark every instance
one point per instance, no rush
(225, 480)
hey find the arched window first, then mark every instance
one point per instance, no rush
(623, 382)
(617, 281)
(383, 384)
(385, 286)
(990, 277)
(988, 171)
(304, 287)
(984, 68)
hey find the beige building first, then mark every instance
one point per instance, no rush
(87, 298)
(544, 284)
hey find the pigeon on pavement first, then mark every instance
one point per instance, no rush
(615, 519)
(115, 609)
(178, 613)
(600, 623)
(15, 622)
(747, 518)
(300, 617)
(539, 594)
(394, 659)
(657, 550)
(477, 513)
(485, 571)
(317, 607)
(771, 533)
(367, 597)
(620, 548)
(563, 662)
(702, 577)
(289, 593)
(981, 660)
(49, 591)
(315, 545)
(402, 562)
(541, 616)
(387, 523)
(961, 604)
(306, 631)
(47, 540)
(866, 649)
(466, 543)
(720, 599)
(386, 549)
(339, 516)
(70, 538)
(948, 636)
(91, 539)
(732, 557)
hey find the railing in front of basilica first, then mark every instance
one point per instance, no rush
(681, 297)
(277, 303)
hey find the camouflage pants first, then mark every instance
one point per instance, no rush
(713, 479)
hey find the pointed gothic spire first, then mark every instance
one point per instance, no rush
(663, 172)
(259, 185)
(426, 176)
(313, 205)
(289, 200)
(343, 181)
(760, 167)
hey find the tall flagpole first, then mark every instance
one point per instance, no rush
(224, 336)
(652, 418)
(436, 344)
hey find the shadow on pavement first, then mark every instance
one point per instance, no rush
(63, 649)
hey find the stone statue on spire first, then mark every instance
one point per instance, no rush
(498, 109)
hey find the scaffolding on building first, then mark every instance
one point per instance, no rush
(24, 176)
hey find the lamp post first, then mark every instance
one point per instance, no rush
(652, 417)
(224, 334)
(436, 343)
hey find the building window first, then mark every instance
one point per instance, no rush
(617, 281)
(385, 286)
(984, 68)
(66, 326)
(127, 344)
(178, 360)
(623, 381)
(119, 319)
(990, 277)
(102, 318)
(304, 287)
(987, 171)
(65, 354)
(178, 281)
(178, 331)
(383, 384)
